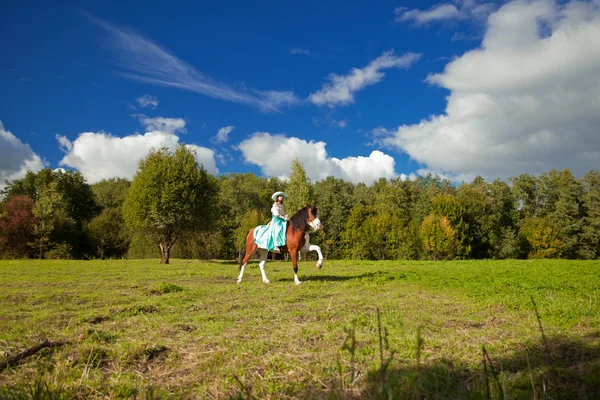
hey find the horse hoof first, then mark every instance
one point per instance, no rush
(319, 265)
(297, 282)
(267, 281)
(239, 281)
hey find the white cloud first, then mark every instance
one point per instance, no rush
(168, 125)
(16, 158)
(99, 155)
(526, 101)
(147, 101)
(279, 98)
(222, 135)
(274, 155)
(297, 50)
(444, 12)
(439, 12)
(340, 89)
(148, 62)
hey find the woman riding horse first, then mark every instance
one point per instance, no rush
(272, 236)
(296, 238)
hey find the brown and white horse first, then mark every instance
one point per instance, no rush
(297, 239)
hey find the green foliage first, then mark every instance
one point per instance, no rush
(111, 193)
(439, 238)
(251, 219)
(52, 216)
(543, 238)
(108, 234)
(171, 194)
(590, 236)
(356, 236)
(299, 189)
(454, 232)
(490, 220)
(59, 251)
(334, 197)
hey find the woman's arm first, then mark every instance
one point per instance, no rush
(278, 211)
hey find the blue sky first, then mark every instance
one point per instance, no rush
(359, 91)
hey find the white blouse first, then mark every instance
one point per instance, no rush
(278, 210)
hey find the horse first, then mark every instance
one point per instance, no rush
(297, 239)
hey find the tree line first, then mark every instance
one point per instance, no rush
(174, 208)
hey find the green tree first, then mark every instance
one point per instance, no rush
(169, 196)
(108, 234)
(448, 206)
(439, 238)
(299, 190)
(78, 198)
(51, 215)
(527, 194)
(334, 196)
(359, 235)
(111, 193)
(543, 238)
(250, 219)
(590, 236)
(567, 210)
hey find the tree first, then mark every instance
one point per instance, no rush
(77, 196)
(16, 226)
(357, 235)
(111, 193)
(439, 238)
(52, 215)
(250, 219)
(299, 189)
(170, 195)
(107, 233)
(567, 213)
(590, 237)
(543, 238)
(334, 196)
(448, 206)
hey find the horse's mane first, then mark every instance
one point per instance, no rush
(298, 220)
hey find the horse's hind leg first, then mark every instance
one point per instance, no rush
(250, 249)
(263, 260)
(294, 255)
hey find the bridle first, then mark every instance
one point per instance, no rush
(311, 224)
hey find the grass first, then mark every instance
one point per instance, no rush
(354, 329)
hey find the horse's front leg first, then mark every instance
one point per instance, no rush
(314, 247)
(294, 255)
(263, 260)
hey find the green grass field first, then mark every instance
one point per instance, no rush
(354, 329)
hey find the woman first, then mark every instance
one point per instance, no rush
(272, 236)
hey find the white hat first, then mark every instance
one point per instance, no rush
(276, 194)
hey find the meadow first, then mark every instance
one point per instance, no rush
(481, 329)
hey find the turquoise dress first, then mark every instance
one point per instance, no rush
(272, 235)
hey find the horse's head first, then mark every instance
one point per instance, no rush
(313, 219)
